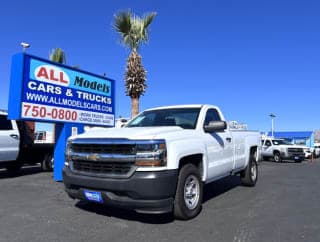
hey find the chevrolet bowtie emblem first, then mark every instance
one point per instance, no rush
(93, 157)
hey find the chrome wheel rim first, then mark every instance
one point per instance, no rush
(253, 171)
(191, 192)
(52, 162)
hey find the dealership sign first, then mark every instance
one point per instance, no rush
(47, 91)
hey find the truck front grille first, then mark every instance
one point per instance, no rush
(295, 151)
(126, 149)
(103, 158)
(101, 168)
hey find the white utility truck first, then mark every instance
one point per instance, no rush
(160, 160)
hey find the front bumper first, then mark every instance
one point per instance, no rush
(148, 192)
(290, 156)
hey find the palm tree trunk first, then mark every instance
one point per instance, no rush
(134, 106)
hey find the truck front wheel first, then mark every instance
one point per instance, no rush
(277, 157)
(249, 175)
(188, 199)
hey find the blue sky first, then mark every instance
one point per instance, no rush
(248, 57)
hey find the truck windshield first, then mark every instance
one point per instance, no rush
(281, 142)
(186, 118)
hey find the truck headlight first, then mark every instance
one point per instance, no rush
(151, 153)
(67, 154)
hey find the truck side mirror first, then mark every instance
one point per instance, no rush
(215, 126)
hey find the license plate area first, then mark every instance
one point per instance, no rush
(93, 196)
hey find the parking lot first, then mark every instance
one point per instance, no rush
(284, 206)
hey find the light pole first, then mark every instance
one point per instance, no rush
(272, 123)
(25, 46)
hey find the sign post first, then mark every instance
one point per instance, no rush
(62, 132)
(45, 91)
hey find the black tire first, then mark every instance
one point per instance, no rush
(47, 163)
(188, 198)
(255, 156)
(249, 175)
(276, 157)
(14, 166)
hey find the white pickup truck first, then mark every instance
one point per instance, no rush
(280, 149)
(160, 160)
(17, 146)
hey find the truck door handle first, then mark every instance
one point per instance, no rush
(15, 136)
(228, 139)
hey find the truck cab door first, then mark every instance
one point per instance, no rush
(266, 148)
(219, 148)
(9, 139)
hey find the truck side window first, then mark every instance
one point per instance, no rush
(5, 124)
(268, 143)
(212, 115)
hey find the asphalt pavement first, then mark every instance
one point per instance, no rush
(284, 206)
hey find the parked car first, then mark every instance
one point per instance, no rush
(307, 152)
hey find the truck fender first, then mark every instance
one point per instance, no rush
(276, 151)
(183, 148)
(248, 154)
(252, 142)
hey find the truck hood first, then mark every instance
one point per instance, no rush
(130, 133)
(284, 146)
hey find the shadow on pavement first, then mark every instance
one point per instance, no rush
(27, 170)
(125, 214)
(285, 161)
(219, 187)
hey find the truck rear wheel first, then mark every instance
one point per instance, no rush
(188, 199)
(47, 163)
(249, 175)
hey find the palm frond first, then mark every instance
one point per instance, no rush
(123, 22)
(58, 55)
(147, 19)
(133, 29)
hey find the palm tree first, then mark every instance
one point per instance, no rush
(133, 32)
(58, 55)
